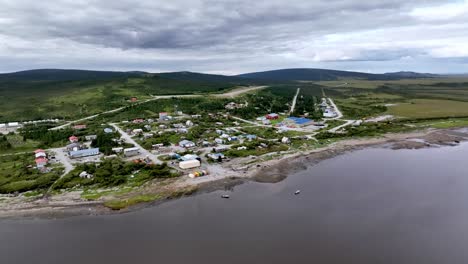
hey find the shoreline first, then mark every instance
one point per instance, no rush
(70, 204)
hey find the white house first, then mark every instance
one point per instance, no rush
(186, 144)
(129, 152)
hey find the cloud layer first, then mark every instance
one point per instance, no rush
(234, 36)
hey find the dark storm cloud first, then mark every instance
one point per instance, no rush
(185, 31)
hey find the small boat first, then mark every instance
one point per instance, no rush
(297, 192)
(225, 196)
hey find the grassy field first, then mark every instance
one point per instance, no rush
(424, 108)
(412, 98)
(19, 145)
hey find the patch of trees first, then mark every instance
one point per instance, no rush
(4, 143)
(46, 137)
(113, 172)
(105, 142)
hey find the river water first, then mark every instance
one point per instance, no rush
(370, 206)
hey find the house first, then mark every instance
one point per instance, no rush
(134, 99)
(189, 123)
(130, 152)
(251, 137)
(206, 144)
(329, 113)
(79, 127)
(178, 125)
(285, 140)
(148, 135)
(13, 124)
(73, 139)
(162, 126)
(219, 132)
(266, 122)
(137, 131)
(138, 121)
(182, 130)
(73, 146)
(189, 164)
(40, 153)
(357, 123)
(84, 153)
(90, 137)
(196, 116)
(108, 130)
(216, 156)
(157, 146)
(233, 138)
(163, 115)
(219, 141)
(220, 149)
(189, 157)
(225, 136)
(242, 148)
(41, 162)
(85, 175)
(272, 116)
(147, 127)
(117, 150)
(186, 144)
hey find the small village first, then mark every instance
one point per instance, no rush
(141, 140)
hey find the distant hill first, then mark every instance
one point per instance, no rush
(65, 75)
(409, 74)
(326, 75)
(202, 77)
(53, 93)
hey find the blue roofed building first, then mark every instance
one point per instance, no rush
(298, 121)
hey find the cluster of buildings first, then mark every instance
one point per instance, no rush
(77, 150)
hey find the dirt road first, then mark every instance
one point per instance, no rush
(143, 151)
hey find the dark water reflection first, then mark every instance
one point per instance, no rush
(371, 206)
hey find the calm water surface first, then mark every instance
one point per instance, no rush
(371, 206)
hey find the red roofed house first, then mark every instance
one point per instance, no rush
(272, 116)
(73, 139)
(138, 121)
(133, 99)
(40, 153)
(41, 162)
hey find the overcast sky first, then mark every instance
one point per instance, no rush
(231, 37)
